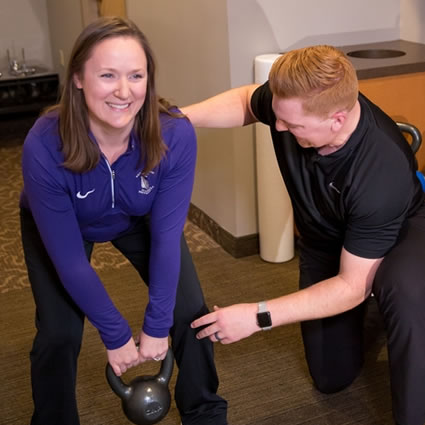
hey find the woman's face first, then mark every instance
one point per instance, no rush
(114, 81)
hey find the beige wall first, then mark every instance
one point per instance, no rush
(23, 24)
(271, 26)
(190, 40)
(65, 23)
(412, 26)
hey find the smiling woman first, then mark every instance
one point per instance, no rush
(106, 64)
(112, 162)
(114, 83)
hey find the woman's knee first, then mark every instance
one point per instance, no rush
(57, 339)
(190, 302)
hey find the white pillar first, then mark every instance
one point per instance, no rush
(275, 216)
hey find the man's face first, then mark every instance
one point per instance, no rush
(310, 131)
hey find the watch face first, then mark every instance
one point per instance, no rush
(264, 319)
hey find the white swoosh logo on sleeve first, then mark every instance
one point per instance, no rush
(80, 196)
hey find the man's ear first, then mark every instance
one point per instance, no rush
(338, 120)
(77, 81)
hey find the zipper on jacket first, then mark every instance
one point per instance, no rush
(112, 182)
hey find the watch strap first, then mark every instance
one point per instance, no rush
(264, 320)
(262, 307)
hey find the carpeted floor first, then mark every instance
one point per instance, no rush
(264, 378)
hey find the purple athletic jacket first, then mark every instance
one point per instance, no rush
(100, 205)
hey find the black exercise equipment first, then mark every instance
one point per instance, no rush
(146, 400)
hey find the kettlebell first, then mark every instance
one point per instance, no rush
(146, 400)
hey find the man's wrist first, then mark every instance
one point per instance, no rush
(264, 318)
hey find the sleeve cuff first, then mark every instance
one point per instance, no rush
(117, 343)
(156, 333)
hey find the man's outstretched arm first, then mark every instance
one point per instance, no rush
(229, 109)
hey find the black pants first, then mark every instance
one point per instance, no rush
(60, 324)
(334, 346)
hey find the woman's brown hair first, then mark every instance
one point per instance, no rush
(80, 153)
(320, 75)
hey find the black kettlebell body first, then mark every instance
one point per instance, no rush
(146, 400)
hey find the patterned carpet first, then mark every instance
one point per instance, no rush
(12, 267)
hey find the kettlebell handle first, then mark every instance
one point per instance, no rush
(166, 369)
(124, 391)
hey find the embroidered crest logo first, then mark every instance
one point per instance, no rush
(145, 187)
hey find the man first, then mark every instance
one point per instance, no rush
(360, 212)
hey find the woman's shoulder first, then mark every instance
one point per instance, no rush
(44, 132)
(176, 126)
(46, 122)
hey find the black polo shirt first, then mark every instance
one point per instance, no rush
(357, 197)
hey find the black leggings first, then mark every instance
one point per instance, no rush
(334, 346)
(60, 324)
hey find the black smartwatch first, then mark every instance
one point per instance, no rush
(264, 319)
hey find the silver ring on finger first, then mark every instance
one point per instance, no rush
(217, 337)
(157, 358)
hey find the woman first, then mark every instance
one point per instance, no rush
(112, 162)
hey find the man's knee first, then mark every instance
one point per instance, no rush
(333, 383)
(399, 290)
